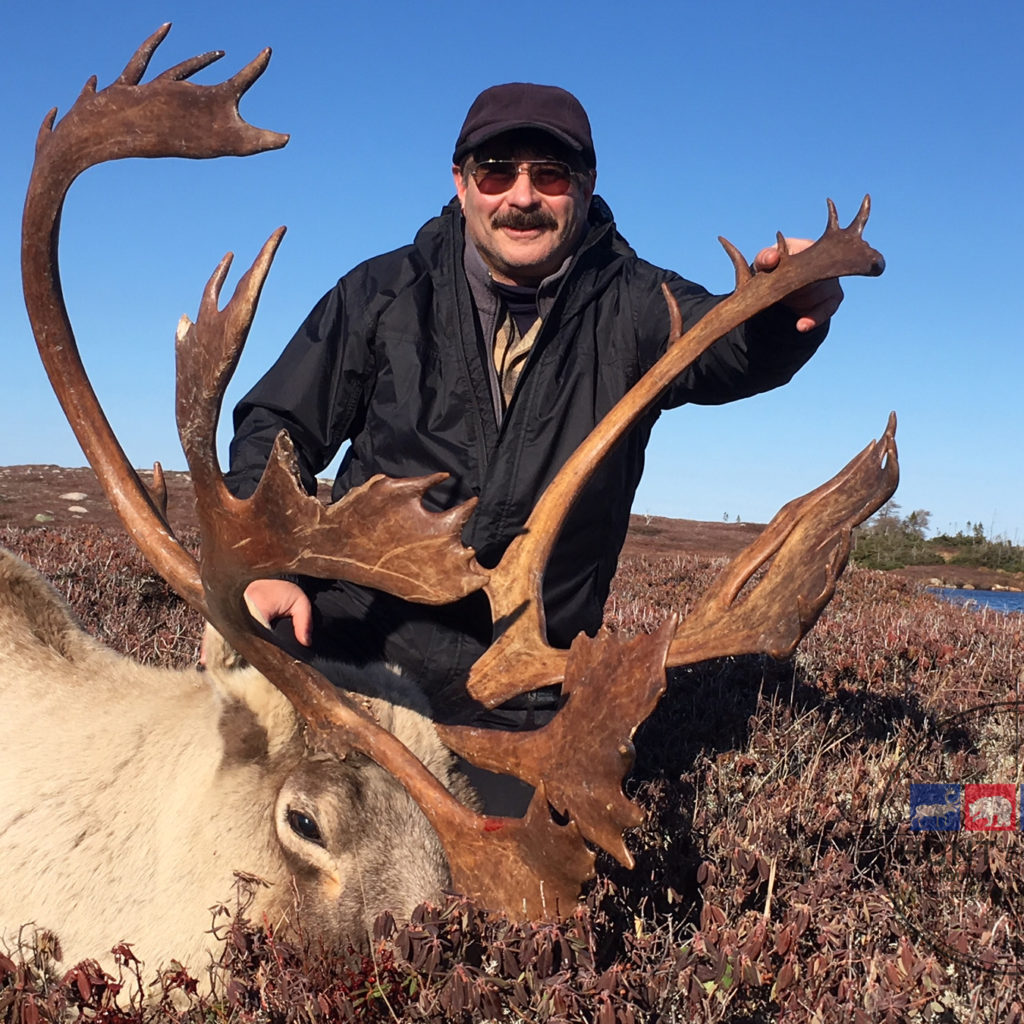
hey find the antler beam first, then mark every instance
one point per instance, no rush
(167, 117)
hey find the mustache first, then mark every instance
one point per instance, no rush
(524, 220)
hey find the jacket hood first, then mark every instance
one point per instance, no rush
(442, 239)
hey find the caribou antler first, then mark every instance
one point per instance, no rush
(520, 659)
(380, 534)
(620, 685)
(810, 539)
(170, 116)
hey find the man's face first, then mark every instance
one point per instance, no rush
(522, 234)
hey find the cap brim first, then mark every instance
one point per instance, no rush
(482, 135)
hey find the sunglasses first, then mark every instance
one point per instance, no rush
(548, 177)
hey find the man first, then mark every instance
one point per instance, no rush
(489, 348)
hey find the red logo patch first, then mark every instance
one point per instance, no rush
(990, 807)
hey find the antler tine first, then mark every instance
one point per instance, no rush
(243, 79)
(158, 490)
(810, 542)
(742, 268)
(833, 217)
(139, 62)
(781, 244)
(858, 222)
(187, 68)
(205, 368)
(675, 317)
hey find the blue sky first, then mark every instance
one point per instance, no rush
(708, 119)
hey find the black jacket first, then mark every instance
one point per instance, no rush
(394, 360)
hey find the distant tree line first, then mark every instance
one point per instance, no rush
(891, 541)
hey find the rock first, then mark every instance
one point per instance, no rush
(43, 517)
(77, 508)
(74, 496)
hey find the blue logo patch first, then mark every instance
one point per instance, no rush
(935, 806)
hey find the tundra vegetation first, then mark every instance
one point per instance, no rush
(776, 878)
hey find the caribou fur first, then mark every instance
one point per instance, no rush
(131, 795)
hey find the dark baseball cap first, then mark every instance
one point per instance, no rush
(503, 108)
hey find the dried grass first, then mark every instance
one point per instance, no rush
(776, 875)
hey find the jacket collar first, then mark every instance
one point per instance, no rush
(601, 237)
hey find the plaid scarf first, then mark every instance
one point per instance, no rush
(511, 350)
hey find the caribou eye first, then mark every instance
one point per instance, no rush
(303, 825)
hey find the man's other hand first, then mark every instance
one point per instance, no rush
(271, 600)
(814, 303)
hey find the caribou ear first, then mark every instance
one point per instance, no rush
(33, 612)
(218, 655)
(257, 720)
(399, 706)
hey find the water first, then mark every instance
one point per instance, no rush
(998, 600)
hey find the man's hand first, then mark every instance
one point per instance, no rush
(269, 600)
(814, 303)
(281, 599)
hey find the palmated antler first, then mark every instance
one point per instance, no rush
(520, 659)
(410, 552)
(808, 542)
(810, 539)
(380, 534)
(171, 116)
